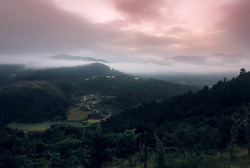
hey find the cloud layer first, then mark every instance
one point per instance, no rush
(160, 32)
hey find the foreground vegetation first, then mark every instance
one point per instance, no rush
(89, 147)
(40, 127)
(207, 129)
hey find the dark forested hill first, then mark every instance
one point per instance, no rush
(10, 72)
(29, 102)
(71, 74)
(211, 107)
(29, 95)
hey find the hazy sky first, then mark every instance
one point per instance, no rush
(141, 35)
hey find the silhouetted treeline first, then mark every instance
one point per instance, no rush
(210, 107)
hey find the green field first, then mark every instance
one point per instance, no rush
(75, 118)
(40, 127)
(37, 127)
(76, 114)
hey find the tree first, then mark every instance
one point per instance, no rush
(185, 138)
(242, 71)
(56, 160)
(246, 111)
(209, 140)
(240, 120)
(237, 125)
(93, 147)
(248, 136)
(160, 155)
(243, 120)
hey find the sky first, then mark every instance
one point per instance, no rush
(147, 36)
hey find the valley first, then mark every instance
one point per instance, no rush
(110, 118)
(89, 108)
(74, 95)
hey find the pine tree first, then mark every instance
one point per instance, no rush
(240, 123)
(247, 126)
(242, 71)
(160, 155)
(234, 135)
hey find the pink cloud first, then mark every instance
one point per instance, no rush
(39, 26)
(145, 10)
(236, 25)
(149, 30)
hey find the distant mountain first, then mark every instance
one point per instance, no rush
(71, 57)
(98, 78)
(198, 80)
(71, 74)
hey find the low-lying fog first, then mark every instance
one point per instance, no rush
(177, 72)
(137, 67)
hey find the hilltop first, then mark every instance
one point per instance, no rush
(71, 57)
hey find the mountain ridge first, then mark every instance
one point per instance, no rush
(71, 57)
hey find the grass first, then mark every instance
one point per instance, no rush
(75, 124)
(175, 160)
(242, 161)
(40, 127)
(36, 127)
(76, 114)
(94, 120)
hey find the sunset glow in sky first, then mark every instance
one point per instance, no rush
(163, 35)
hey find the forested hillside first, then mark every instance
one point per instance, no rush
(31, 102)
(9, 73)
(29, 95)
(211, 107)
(206, 129)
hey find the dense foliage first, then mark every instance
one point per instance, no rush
(64, 146)
(186, 131)
(30, 105)
(211, 107)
